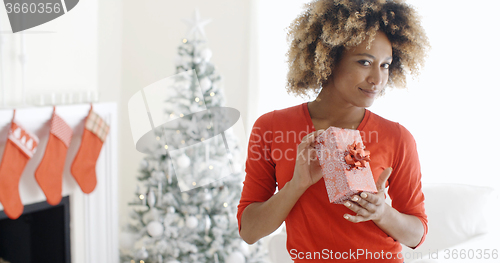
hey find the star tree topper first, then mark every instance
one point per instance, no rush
(196, 24)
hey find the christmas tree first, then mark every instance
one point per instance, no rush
(190, 181)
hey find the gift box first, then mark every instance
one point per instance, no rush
(345, 164)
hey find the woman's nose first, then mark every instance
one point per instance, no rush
(376, 77)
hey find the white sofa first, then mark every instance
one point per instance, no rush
(463, 223)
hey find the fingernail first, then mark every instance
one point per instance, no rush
(364, 195)
(347, 204)
(346, 216)
(355, 198)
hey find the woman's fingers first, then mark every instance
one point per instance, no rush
(366, 204)
(305, 150)
(307, 169)
(382, 179)
(311, 137)
(355, 218)
(367, 207)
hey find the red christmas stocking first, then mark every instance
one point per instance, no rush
(83, 167)
(20, 147)
(50, 171)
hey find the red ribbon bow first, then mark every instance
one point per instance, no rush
(356, 156)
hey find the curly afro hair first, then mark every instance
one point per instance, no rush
(326, 28)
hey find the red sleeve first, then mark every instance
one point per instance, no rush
(405, 188)
(260, 179)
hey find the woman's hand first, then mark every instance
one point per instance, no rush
(307, 169)
(407, 229)
(368, 206)
(260, 219)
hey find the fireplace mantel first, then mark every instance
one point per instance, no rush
(94, 217)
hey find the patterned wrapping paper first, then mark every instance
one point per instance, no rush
(341, 179)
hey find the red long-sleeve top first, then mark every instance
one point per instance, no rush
(316, 229)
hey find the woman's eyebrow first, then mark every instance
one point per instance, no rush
(372, 56)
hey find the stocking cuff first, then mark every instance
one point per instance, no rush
(97, 125)
(61, 130)
(25, 140)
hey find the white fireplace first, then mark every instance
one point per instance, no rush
(93, 217)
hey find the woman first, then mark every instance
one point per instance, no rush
(348, 51)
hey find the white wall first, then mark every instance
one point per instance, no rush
(109, 49)
(61, 55)
(452, 107)
(152, 31)
(75, 53)
(270, 60)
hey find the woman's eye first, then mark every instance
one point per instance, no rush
(386, 65)
(364, 62)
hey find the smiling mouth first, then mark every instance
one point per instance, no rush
(369, 93)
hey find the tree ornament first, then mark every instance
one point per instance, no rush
(152, 215)
(207, 239)
(127, 240)
(208, 224)
(205, 83)
(207, 196)
(142, 253)
(196, 31)
(144, 165)
(183, 161)
(235, 257)
(244, 248)
(201, 68)
(221, 221)
(180, 223)
(192, 222)
(155, 229)
(161, 245)
(206, 54)
(160, 194)
(158, 175)
(151, 198)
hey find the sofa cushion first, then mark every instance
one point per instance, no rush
(456, 213)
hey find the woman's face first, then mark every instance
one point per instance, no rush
(361, 74)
